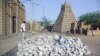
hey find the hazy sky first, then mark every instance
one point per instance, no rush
(52, 8)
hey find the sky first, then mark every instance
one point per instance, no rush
(52, 8)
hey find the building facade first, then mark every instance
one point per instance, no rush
(12, 13)
(36, 26)
(64, 20)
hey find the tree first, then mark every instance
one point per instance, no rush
(46, 23)
(92, 18)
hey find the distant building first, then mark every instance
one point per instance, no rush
(82, 28)
(89, 29)
(27, 26)
(12, 13)
(64, 20)
(34, 26)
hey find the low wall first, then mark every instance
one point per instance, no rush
(95, 32)
(12, 52)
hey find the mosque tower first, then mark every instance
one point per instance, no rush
(64, 20)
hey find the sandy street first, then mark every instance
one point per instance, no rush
(93, 43)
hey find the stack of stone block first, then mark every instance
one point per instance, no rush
(52, 45)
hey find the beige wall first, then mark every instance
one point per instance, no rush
(27, 26)
(16, 9)
(95, 32)
(36, 26)
(0, 17)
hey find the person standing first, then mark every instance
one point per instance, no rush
(23, 29)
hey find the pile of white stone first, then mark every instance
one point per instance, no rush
(52, 45)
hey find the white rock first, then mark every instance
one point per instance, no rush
(43, 45)
(62, 40)
(56, 37)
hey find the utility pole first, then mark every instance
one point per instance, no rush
(31, 13)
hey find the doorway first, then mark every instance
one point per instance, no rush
(14, 24)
